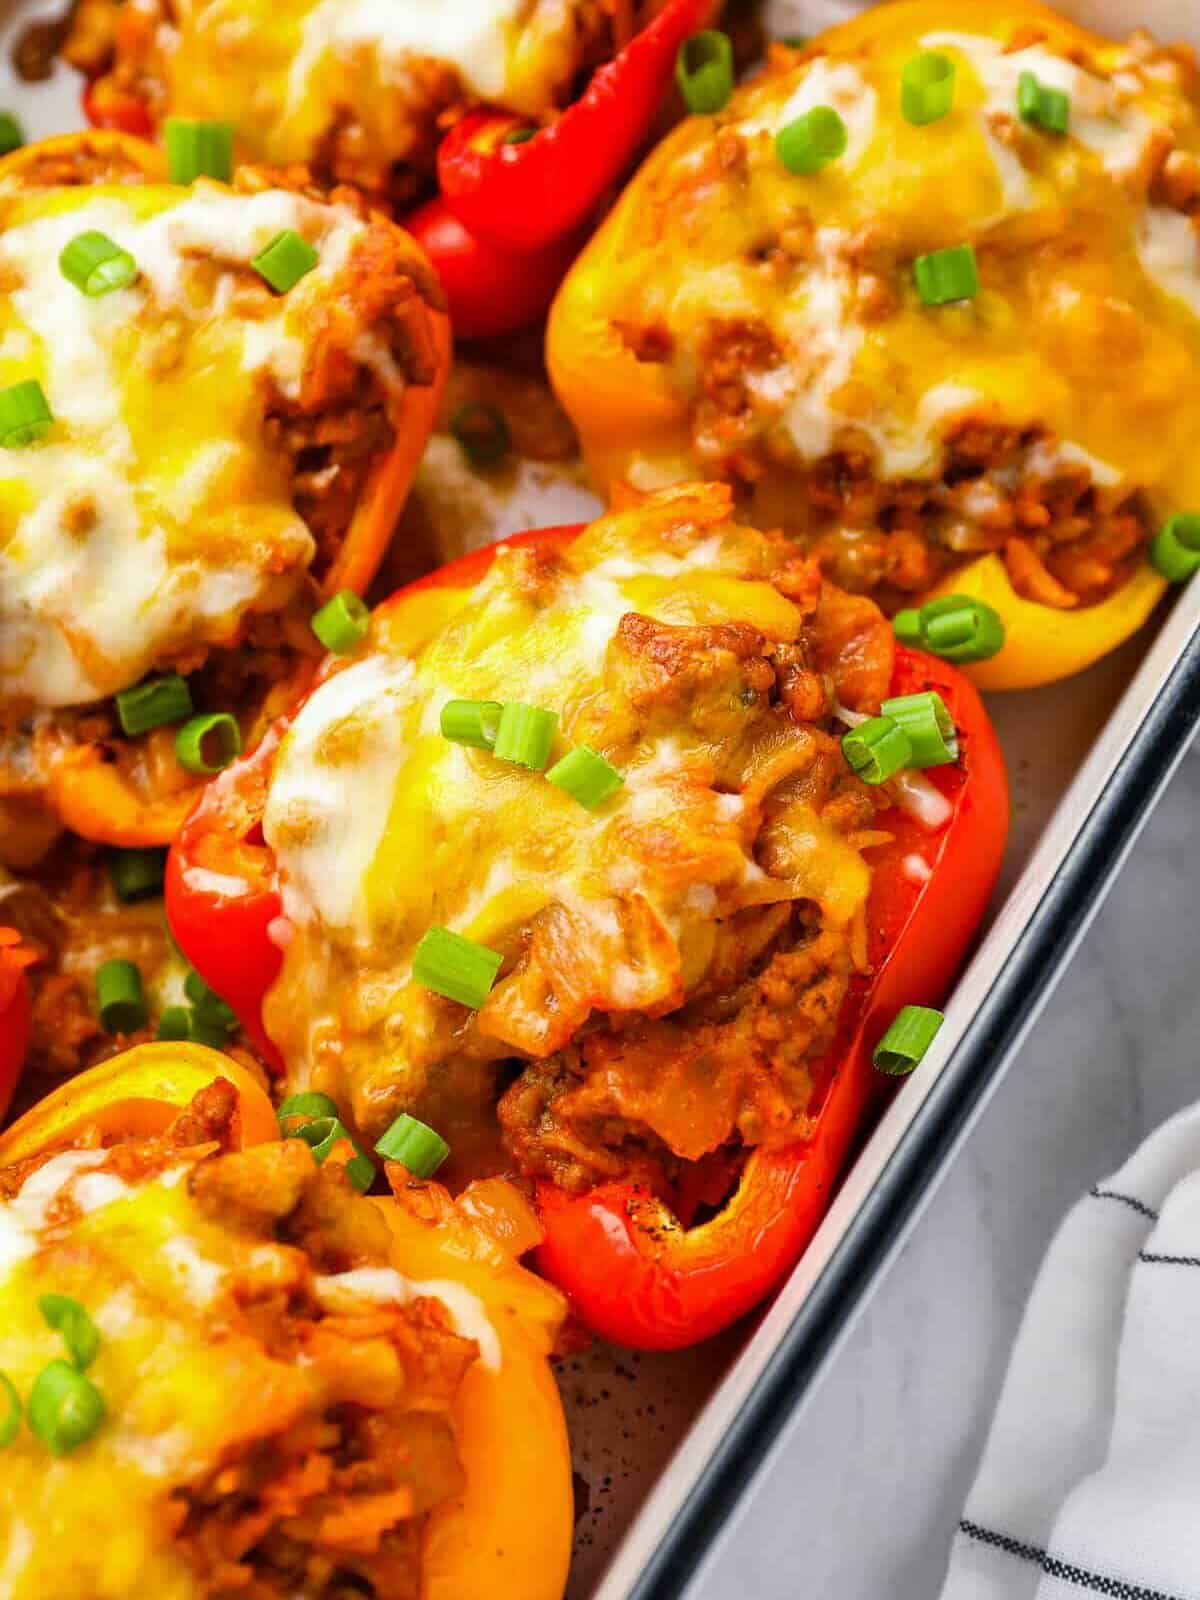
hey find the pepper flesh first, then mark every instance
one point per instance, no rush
(15, 1012)
(521, 196)
(509, 1532)
(632, 1272)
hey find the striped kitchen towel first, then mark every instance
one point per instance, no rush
(1090, 1480)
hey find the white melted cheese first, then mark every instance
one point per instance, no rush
(473, 36)
(345, 1292)
(826, 338)
(1169, 250)
(24, 1216)
(341, 799)
(104, 565)
(1102, 117)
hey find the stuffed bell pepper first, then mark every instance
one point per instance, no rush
(589, 859)
(224, 1371)
(212, 401)
(927, 292)
(525, 111)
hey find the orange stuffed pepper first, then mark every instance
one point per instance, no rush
(223, 1371)
(927, 292)
(212, 402)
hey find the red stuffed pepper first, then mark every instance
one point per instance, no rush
(14, 1011)
(568, 861)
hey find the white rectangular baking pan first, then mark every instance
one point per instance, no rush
(664, 1444)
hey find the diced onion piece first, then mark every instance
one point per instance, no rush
(414, 1145)
(912, 1032)
(877, 749)
(946, 276)
(586, 776)
(926, 87)
(154, 703)
(208, 743)
(342, 623)
(457, 968)
(928, 724)
(704, 71)
(119, 997)
(197, 149)
(812, 141)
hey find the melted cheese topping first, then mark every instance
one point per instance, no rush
(286, 70)
(1088, 323)
(152, 516)
(186, 1383)
(382, 828)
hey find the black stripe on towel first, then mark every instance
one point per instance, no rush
(1096, 1582)
(1129, 1200)
(1149, 1257)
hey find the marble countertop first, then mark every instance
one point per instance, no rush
(860, 1498)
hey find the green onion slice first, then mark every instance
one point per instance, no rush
(471, 722)
(11, 136)
(958, 627)
(812, 141)
(341, 624)
(137, 874)
(704, 71)
(1175, 548)
(198, 149)
(154, 703)
(519, 135)
(65, 1407)
(928, 725)
(79, 1333)
(208, 743)
(586, 776)
(907, 627)
(119, 997)
(25, 414)
(174, 1024)
(322, 1134)
(877, 749)
(483, 433)
(299, 1109)
(414, 1145)
(286, 260)
(525, 735)
(912, 1032)
(455, 967)
(207, 1003)
(1041, 106)
(945, 276)
(926, 87)
(10, 1411)
(95, 265)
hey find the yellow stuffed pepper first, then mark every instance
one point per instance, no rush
(224, 1372)
(927, 292)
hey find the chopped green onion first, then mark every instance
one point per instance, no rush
(65, 1407)
(877, 750)
(25, 414)
(586, 776)
(79, 1333)
(286, 260)
(341, 624)
(704, 71)
(413, 1145)
(928, 724)
(213, 1036)
(812, 141)
(119, 997)
(926, 87)
(482, 432)
(208, 743)
(198, 149)
(137, 874)
(455, 967)
(906, 625)
(795, 41)
(944, 276)
(1041, 106)
(174, 1024)
(207, 1003)
(154, 703)
(322, 1134)
(299, 1109)
(95, 265)
(1175, 548)
(525, 735)
(472, 722)
(906, 1041)
(956, 627)
(519, 136)
(10, 1411)
(11, 136)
